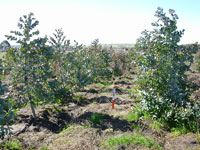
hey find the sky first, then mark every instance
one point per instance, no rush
(111, 21)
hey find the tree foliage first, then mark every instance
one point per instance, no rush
(7, 114)
(100, 61)
(163, 63)
(28, 65)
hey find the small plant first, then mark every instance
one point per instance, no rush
(67, 129)
(97, 118)
(156, 125)
(79, 98)
(137, 139)
(105, 83)
(85, 126)
(198, 65)
(132, 117)
(57, 109)
(136, 126)
(179, 131)
(133, 94)
(44, 148)
(13, 145)
(198, 137)
(53, 109)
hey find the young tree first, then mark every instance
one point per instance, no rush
(60, 85)
(29, 66)
(163, 62)
(60, 45)
(100, 60)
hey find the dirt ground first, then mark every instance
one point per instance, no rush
(48, 131)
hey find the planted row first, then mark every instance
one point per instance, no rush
(49, 70)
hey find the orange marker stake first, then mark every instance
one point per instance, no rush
(113, 98)
(113, 103)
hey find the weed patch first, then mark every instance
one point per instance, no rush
(156, 125)
(44, 148)
(137, 139)
(12, 145)
(97, 118)
(67, 129)
(132, 117)
(179, 131)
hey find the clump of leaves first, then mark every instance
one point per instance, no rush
(164, 88)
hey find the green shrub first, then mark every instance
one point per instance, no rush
(164, 89)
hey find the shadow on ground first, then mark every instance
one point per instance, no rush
(107, 122)
(52, 121)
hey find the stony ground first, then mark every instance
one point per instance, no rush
(69, 127)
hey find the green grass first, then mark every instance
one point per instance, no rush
(105, 83)
(132, 95)
(136, 126)
(85, 126)
(79, 98)
(132, 116)
(137, 139)
(12, 145)
(53, 109)
(44, 148)
(97, 118)
(178, 131)
(156, 125)
(67, 129)
(127, 79)
(147, 116)
(198, 137)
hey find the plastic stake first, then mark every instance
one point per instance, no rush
(113, 98)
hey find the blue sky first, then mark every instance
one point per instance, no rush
(112, 21)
